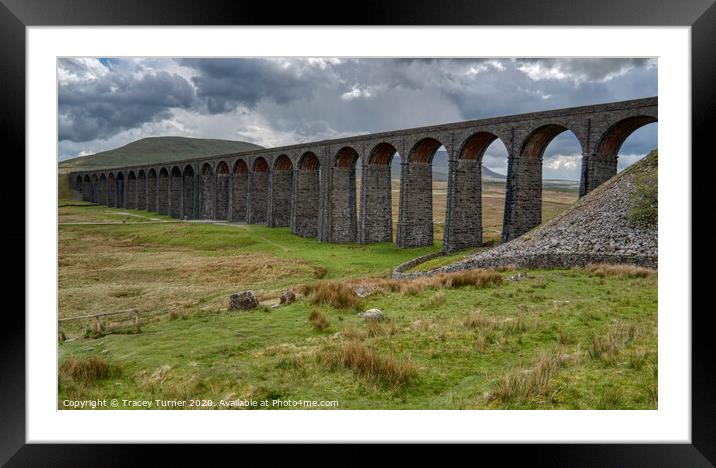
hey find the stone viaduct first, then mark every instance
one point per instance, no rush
(311, 187)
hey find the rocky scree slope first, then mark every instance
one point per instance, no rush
(599, 228)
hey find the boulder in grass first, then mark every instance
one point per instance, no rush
(243, 301)
(373, 315)
(288, 297)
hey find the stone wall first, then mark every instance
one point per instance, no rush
(188, 195)
(152, 193)
(239, 197)
(466, 217)
(103, 199)
(308, 192)
(132, 193)
(120, 193)
(175, 196)
(87, 190)
(526, 204)
(415, 227)
(376, 207)
(141, 188)
(281, 195)
(343, 205)
(258, 197)
(206, 196)
(163, 194)
(222, 196)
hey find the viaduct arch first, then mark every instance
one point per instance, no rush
(311, 187)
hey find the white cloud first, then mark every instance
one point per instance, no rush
(569, 162)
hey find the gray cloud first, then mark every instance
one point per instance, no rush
(281, 101)
(226, 84)
(95, 104)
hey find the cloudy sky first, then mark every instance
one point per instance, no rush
(106, 103)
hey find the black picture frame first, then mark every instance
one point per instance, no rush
(16, 15)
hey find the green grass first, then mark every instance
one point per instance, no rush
(644, 197)
(525, 344)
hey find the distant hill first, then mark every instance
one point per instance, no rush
(156, 150)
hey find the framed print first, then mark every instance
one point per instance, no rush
(412, 224)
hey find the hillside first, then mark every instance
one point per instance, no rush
(616, 223)
(156, 150)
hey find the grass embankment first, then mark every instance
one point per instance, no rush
(557, 339)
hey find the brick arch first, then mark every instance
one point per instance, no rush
(346, 157)
(475, 145)
(260, 165)
(538, 140)
(382, 154)
(309, 162)
(283, 163)
(611, 141)
(376, 207)
(465, 229)
(240, 167)
(424, 150)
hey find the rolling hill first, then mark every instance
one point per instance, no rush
(156, 150)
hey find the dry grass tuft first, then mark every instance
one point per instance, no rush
(87, 371)
(351, 332)
(319, 272)
(424, 324)
(476, 278)
(607, 347)
(318, 320)
(604, 270)
(336, 294)
(367, 364)
(376, 329)
(437, 299)
(528, 383)
(476, 319)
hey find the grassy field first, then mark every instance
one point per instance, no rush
(556, 339)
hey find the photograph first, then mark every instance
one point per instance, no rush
(357, 233)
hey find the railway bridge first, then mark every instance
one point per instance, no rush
(311, 187)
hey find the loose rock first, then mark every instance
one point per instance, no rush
(373, 314)
(288, 297)
(243, 301)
